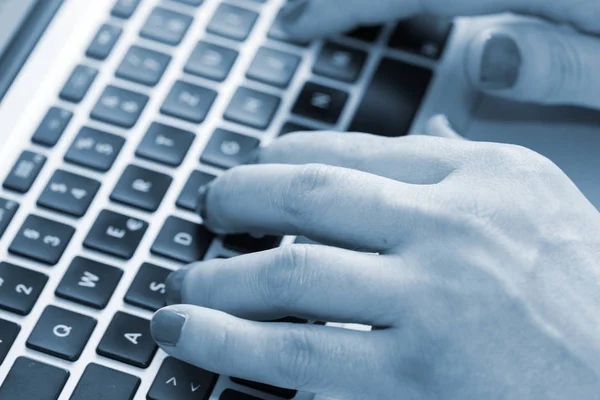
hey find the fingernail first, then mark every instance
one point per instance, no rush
(166, 327)
(501, 63)
(293, 11)
(174, 286)
(202, 201)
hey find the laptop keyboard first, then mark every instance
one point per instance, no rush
(393, 64)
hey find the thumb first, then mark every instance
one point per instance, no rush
(539, 63)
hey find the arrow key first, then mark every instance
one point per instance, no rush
(69, 193)
(181, 381)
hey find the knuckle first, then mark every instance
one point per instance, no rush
(303, 191)
(282, 277)
(295, 363)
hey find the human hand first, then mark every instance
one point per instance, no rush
(485, 285)
(535, 62)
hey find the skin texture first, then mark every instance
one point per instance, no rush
(476, 262)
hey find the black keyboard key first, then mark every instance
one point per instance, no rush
(181, 381)
(94, 149)
(23, 174)
(392, 99)
(19, 288)
(424, 35)
(278, 33)
(194, 3)
(148, 288)
(102, 383)
(116, 234)
(320, 103)
(182, 241)
(52, 127)
(128, 340)
(273, 67)
(33, 380)
(165, 144)
(124, 8)
(8, 333)
(103, 42)
(166, 26)
(231, 394)
(211, 61)
(78, 84)
(89, 283)
(69, 193)
(367, 34)
(119, 107)
(252, 108)
(42, 240)
(232, 22)
(274, 390)
(188, 102)
(340, 62)
(292, 127)
(245, 243)
(188, 199)
(8, 209)
(141, 188)
(61, 333)
(143, 66)
(228, 149)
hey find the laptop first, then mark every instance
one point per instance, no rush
(113, 113)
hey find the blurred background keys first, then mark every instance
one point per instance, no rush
(232, 22)
(227, 149)
(52, 127)
(166, 26)
(8, 209)
(211, 61)
(25, 171)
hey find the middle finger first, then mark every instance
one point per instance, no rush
(331, 205)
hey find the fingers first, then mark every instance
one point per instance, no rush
(308, 19)
(411, 159)
(537, 63)
(331, 205)
(308, 281)
(439, 126)
(304, 357)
